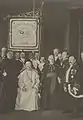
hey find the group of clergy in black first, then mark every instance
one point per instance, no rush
(61, 79)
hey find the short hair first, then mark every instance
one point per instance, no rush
(50, 56)
(56, 49)
(4, 48)
(72, 58)
(31, 55)
(10, 52)
(65, 50)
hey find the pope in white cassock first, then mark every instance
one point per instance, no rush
(28, 84)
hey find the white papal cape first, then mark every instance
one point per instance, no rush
(27, 100)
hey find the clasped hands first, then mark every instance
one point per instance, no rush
(25, 88)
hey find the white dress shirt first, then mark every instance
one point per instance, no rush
(67, 74)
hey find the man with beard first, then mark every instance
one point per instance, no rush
(9, 89)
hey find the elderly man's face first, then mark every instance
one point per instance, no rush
(60, 56)
(28, 65)
(10, 55)
(51, 58)
(36, 55)
(42, 59)
(55, 52)
(64, 55)
(17, 55)
(22, 55)
(72, 60)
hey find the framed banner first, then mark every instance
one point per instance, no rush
(24, 34)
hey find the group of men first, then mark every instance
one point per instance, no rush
(10, 67)
(67, 82)
(60, 73)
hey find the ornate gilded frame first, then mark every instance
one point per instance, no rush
(13, 35)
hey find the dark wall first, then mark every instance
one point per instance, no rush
(55, 20)
(74, 32)
(3, 33)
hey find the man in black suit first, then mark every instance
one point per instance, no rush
(19, 62)
(55, 53)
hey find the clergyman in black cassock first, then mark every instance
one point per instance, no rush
(9, 90)
(49, 85)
